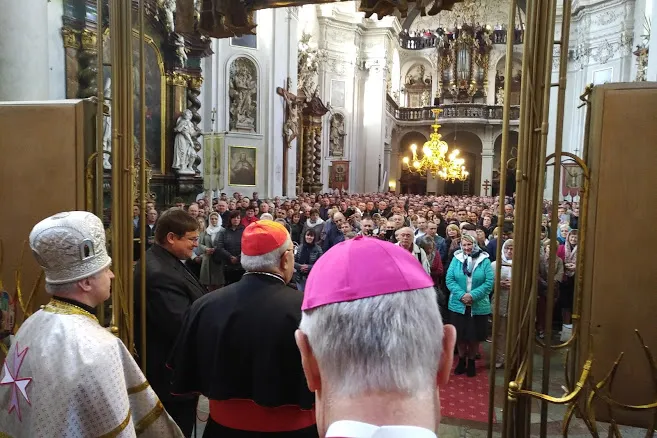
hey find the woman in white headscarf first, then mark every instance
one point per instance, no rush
(212, 269)
(470, 281)
(503, 297)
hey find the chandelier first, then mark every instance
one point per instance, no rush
(434, 158)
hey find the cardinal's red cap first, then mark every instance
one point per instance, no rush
(360, 268)
(262, 237)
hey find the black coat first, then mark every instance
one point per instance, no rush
(238, 343)
(229, 244)
(170, 291)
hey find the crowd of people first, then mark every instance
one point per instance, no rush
(426, 38)
(453, 237)
(358, 347)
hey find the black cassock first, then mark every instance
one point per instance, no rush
(237, 344)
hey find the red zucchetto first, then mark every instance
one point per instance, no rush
(262, 237)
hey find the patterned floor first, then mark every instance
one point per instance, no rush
(466, 398)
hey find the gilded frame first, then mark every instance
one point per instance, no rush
(163, 92)
(163, 97)
(234, 150)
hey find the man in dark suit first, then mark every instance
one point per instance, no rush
(170, 290)
(151, 222)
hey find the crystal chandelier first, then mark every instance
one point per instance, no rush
(434, 158)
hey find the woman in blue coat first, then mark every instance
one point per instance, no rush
(470, 282)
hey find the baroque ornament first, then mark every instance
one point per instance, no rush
(243, 91)
(184, 153)
(309, 59)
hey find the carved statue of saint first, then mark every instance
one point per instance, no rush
(184, 154)
(243, 87)
(107, 125)
(181, 51)
(168, 9)
(336, 149)
(426, 97)
(499, 97)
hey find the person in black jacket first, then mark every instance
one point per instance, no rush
(237, 346)
(170, 290)
(229, 248)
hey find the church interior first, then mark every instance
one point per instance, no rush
(108, 105)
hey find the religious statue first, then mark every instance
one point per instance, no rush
(243, 88)
(291, 125)
(168, 9)
(426, 97)
(107, 125)
(337, 135)
(181, 51)
(499, 97)
(184, 154)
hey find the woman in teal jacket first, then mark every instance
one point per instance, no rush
(470, 282)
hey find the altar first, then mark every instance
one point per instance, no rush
(173, 80)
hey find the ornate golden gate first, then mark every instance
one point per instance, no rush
(530, 174)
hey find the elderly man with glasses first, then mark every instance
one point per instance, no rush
(171, 288)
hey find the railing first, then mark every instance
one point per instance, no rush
(474, 111)
(426, 42)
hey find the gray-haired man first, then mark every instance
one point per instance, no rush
(372, 342)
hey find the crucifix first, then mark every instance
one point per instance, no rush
(290, 126)
(486, 186)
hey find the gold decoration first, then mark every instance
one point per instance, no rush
(195, 82)
(70, 38)
(88, 39)
(435, 159)
(177, 79)
(25, 305)
(62, 308)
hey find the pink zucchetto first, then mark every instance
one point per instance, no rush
(362, 267)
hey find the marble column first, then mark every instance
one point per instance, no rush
(385, 171)
(487, 154)
(24, 73)
(373, 123)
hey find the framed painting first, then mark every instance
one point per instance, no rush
(213, 147)
(242, 166)
(572, 179)
(155, 98)
(339, 175)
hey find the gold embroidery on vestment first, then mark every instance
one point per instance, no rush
(62, 308)
(118, 429)
(149, 418)
(138, 388)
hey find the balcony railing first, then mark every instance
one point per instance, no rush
(426, 42)
(478, 112)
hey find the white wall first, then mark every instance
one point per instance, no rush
(276, 59)
(56, 57)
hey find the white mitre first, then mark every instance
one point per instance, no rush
(70, 246)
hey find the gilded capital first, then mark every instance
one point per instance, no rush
(177, 79)
(88, 39)
(70, 38)
(195, 82)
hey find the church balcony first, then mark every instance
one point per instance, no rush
(452, 113)
(427, 42)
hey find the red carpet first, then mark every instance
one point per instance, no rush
(466, 397)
